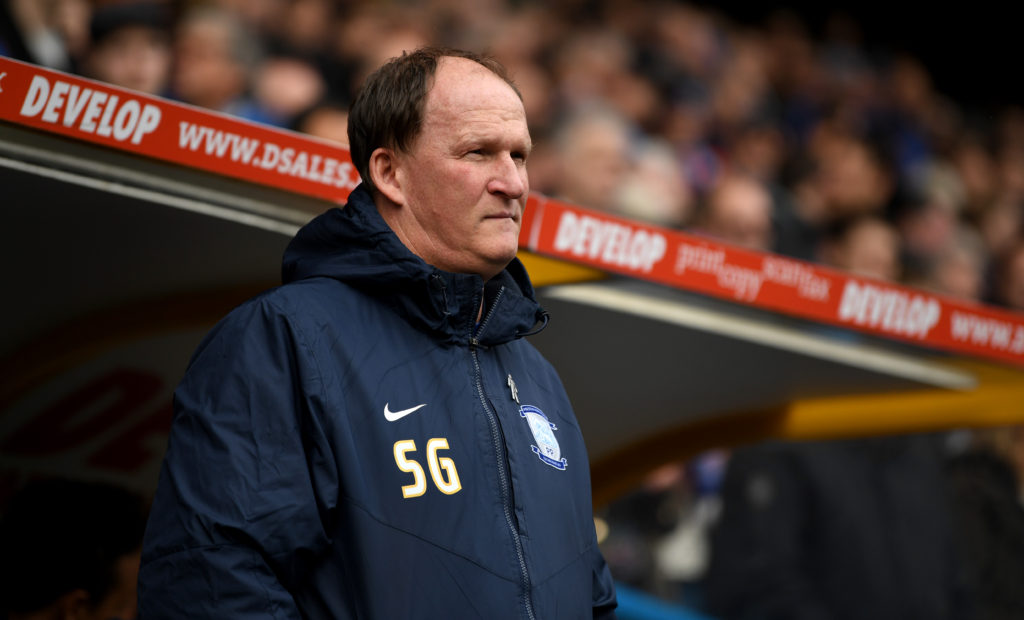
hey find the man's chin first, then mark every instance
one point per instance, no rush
(496, 263)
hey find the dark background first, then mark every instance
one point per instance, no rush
(972, 50)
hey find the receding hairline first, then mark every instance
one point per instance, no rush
(430, 98)
(447, 60)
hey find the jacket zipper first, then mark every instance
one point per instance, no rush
(499, 450)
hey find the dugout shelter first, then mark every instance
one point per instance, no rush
(132, 224)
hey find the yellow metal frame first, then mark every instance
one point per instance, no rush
(997, 400)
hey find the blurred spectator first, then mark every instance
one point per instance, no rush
(975, 165)
(69, 550)
(261, 17)
(1000, 225)
(689, 47)
(372, 33)
(637, 521)
(738, 210)
(853, 175)
(71, 18)
(325, 119)
(655, 190)
(12, 43)
(957, 269)
(929, 218)
(304, 26)
(538, 97)
(685, 127)
(682, 555)
(354, 34)
(131, 46)
(739, 92)
(848, 529)
(799, 80)
(866, 245)
(518, 41)
(214, 57)
(912, 114)
(593, 147)
(523, 36)
(838, 177)
(988, 487)
(52, 33)
(1010, 167)
(758, 149)
(284, 87)
(589, 66)
(1010, 283)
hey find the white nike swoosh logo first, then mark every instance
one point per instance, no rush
(391, 416)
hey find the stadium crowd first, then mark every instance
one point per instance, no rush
(816, 145)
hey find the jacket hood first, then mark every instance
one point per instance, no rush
(355, 246)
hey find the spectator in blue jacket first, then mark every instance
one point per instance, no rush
(376, 438)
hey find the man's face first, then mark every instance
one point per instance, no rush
(463, 181)
(205, 74)
(134, 57)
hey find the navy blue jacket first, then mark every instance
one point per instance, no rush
(353, 445)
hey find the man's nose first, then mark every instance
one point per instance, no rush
(509, 178)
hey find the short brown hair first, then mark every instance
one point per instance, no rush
(388, 110)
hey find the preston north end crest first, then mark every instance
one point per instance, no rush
(544, 434)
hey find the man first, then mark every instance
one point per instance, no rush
(738, 210)
(375, 438)
(843, 529)
(864, 245)
(215, 58)
(593, 158)
(131, 46)
(69, 549)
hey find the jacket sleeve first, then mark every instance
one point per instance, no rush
(605, 601)
(248, 479)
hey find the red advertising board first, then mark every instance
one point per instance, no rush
(133, 122)
(769, 281)
(152, 127)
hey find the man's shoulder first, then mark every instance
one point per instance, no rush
(308, 295)
(308, 301)
(296, 311)
(526, 349)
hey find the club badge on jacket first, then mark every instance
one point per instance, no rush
(546, 448)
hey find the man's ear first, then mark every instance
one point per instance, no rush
(384, 174)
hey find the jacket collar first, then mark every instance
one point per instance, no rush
(355, 246)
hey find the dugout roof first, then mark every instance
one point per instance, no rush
(132, 224)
